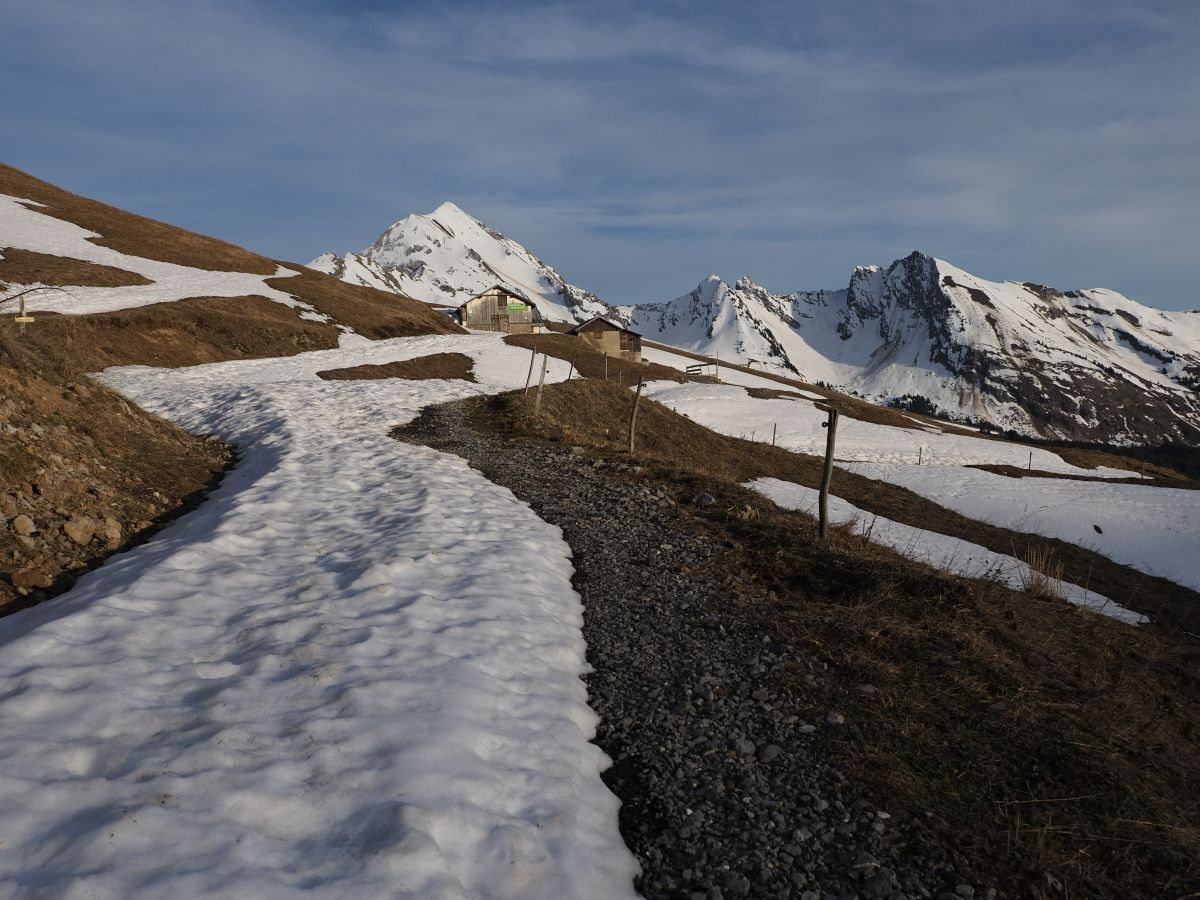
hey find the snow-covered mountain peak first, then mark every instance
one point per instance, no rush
(1088, 364)
(448, 256)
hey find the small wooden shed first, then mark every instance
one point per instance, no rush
(608, 337)
(500, 309)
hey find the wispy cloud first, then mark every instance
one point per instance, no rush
(639, 146)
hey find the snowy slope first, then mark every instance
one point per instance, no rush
(22, 227)
(447, 257)
(938, 550)
(1089, 365)
(353, 672)
(1153, 529)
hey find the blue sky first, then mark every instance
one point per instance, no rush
(639, 146)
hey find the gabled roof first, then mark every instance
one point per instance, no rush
(615, 325)
(512, 292)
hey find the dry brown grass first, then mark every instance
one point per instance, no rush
(1094, 459)
(437, 365)
(180, 333)
(133, 234)
(28, 267)
(591, 364)
(1046, 744)
(597, 414)
(372, 313)
(1161, 478)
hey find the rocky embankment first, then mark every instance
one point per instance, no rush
(719, 752)
(82, 475)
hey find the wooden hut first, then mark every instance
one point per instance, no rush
(500, 309)
(609, 337)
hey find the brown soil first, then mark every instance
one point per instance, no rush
(133, 234)
(1054, 749)
(28, 267)
(373, 314)
(591, 364)
(423, 368)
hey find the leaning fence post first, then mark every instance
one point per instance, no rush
(537, 402)
(774, 425)
(633, 416)
(827, 472)
(532, 357)
(572, 371)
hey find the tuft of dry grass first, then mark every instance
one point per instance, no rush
(437, 365)
(1041, 573)
(28, 267)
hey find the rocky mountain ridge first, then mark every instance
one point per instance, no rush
(1080, 365)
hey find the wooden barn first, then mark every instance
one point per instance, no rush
(611, 338)
(500, 309)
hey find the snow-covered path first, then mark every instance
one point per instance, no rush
(354, 671)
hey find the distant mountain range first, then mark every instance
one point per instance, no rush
(1083, 365)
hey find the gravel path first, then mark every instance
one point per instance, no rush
(726, 791)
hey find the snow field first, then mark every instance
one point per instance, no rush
(27, 229)
(728, 376)
(938, 550)
(354, 671)
(1152, 529)
(728, 409)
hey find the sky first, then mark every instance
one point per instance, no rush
(638, 147)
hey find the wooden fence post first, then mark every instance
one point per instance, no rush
(774, 425)
(920, 453)
(606, 366)
(637, 397)
(532, 358)
(827, 473)
(537, 403)
(573, 358)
